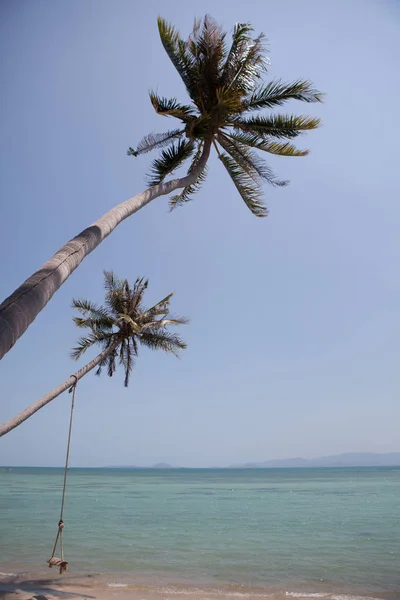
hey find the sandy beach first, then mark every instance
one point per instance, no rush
(27, 587)
(34, 587)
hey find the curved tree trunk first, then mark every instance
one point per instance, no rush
(30, 410)
(20, 309)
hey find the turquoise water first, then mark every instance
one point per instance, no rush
(319, 530)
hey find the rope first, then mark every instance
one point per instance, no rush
(54, 561)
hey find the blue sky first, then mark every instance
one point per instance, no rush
(295, 327)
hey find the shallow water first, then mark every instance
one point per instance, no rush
(300, 531)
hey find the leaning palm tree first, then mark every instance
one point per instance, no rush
(226, 92)
(118, 328)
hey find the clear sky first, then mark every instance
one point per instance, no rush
(295, 326)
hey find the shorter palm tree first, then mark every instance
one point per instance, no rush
(119, 328)
(124, 323)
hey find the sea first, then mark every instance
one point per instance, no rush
(299, 533)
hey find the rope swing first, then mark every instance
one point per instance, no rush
(54, 561)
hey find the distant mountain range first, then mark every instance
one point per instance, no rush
(349, 459)
(160, 465)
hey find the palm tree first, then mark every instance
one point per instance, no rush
(118, 328)
(226, 91)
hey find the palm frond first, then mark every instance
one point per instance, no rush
(90, 310)
(111, 282)
(96, 318)
(276, 93)
(86, 342)
(170, 107)
(166, 341)
(184, 195)
(241, 39)
(177, 51)
(108, 361)
(171, 158)
(258, 142)
(115, 297)
(252, 63)
(228, 102)
(111, 363)
(155, 140)
(211, 52)
(126, 358)
(163, 323)
(248, 189)
(249, 161)
(279, 126)
(161, 308)
(137, 293)
(210, 39)
(95, 323)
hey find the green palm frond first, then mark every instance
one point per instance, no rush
(168, 342)
(100, 323)
(170, 107)
(92, 338)
(184, 195)
(91, 310)
(241, 38)
(255, 141)
(94, 317)
(249, 161)
(253, 63)
(279, 126)
(177, 51)
(246, 186)
(276, 93)
(153, 141)
(227, 103)
(171, 158)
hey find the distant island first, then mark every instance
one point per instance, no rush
(349, 459)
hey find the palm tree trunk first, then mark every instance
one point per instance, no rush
(72, 380)
(20, 309)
